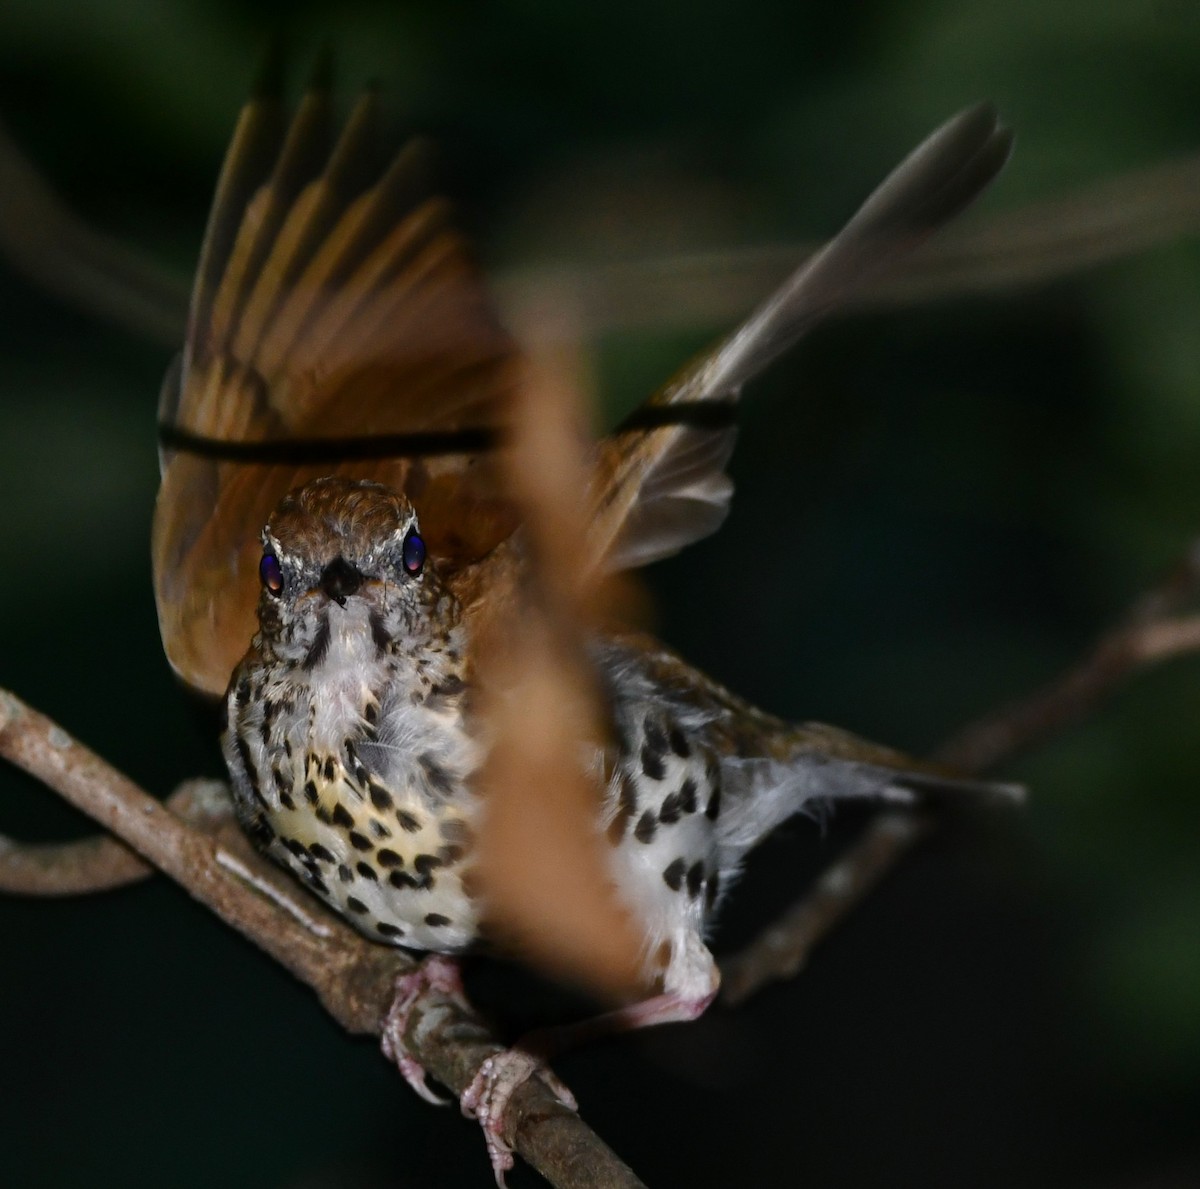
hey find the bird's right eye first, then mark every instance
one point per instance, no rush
(270, 572)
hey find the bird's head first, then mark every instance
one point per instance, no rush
(344, 563)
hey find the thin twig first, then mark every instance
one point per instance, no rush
(1070, 697)
(101, 863)
(782, 949)
(43, 238)
(353, 978)
(1150, 633)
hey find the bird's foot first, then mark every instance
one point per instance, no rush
(487, 1098)
(435, 973)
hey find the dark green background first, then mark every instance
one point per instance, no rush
(937, 508)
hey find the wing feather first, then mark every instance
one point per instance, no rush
(333, 299)
(660, 489)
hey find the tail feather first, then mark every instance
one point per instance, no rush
(827, 765)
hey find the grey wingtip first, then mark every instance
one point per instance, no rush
(981, 123)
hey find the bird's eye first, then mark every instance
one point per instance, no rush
(271, 574)
(412, 553)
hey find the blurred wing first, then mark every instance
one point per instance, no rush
(661, 482)
(333, 300)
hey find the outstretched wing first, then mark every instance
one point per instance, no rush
(661, 481)
(333, 301)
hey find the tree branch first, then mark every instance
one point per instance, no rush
(353, 978)
(102, 863)
(1150, 633)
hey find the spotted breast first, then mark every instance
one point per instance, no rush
(346, 736)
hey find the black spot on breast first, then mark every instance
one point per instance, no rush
(379, 829)
(695, 879)
(342, 816)
(652, 763)
(671, 810)
(366, 871)
(330, 770)
(242, 694)
(654, 737)
(713, 808)
(626, 808)
(407, 821)
(321, 852)
(295, 847)
(310, 792)
(647, 825)
(424, 864)
(388, 858)
(673, 875)
(450, 686)
(386, 930)
(679, 743)
(354, 904)
(260, 831)
(285, 799)
(440, 781)
(360, 841)
(435, 920)
(319, 647)
(687, 795)
(324, 814)
(401, 879)
(380, 797)
(344, 873)
(315, 882)
(243, 750)
(379, 633)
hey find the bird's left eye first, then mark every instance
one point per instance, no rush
(270, 572)
(412, 553)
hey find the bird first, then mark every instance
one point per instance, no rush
(332, 537)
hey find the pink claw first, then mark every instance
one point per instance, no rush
(486, 1100)
(435, 973)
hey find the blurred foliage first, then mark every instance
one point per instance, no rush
(936, 510)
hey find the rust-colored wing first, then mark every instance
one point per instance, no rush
(659, 489)
(333, 300)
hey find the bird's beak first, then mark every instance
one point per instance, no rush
(339, 580)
